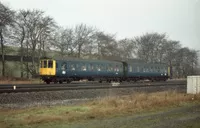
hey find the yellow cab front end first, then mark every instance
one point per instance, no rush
(47, 70)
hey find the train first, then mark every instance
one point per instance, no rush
(68, 70)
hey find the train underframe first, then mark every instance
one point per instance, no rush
(49, 79)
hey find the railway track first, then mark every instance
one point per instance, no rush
(11, 88)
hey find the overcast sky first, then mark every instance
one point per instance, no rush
(180, 19)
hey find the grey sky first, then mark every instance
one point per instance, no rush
(180, 19)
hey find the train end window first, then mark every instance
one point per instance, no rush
(50, 64)
(45, 64)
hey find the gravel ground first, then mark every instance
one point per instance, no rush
(30, 99)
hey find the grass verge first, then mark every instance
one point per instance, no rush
(16, 80)
(97, 109)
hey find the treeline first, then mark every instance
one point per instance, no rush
(36, 34)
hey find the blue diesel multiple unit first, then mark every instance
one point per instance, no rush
(53, 70)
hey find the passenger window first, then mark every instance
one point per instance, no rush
(107, 67)
(103, 67)
(77, 67)
(83, 67)
(50, 64)
(117, 68)
(64, 66)
(72, 67)
(120, 69)
(98, 68)
(144, 69)
(153, 69)
(138, 69)
(111, 67)
(134, 69)
(130, 68)
(92, 67)
(89, 67)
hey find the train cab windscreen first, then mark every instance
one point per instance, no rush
(46, 64)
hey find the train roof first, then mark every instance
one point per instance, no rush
(113, 60)
(87, 60)
(142, 63)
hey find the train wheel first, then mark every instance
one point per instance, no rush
(47, 82)
(108, 81)
(68, 81)
(60, 82)
(164, 79)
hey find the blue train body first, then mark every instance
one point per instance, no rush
(101, 70)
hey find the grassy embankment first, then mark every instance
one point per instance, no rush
(98, 109)
(16, 80)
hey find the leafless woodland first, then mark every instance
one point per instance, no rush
(36, 34)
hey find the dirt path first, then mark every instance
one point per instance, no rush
(185, 117)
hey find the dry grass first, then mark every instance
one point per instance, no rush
(16, 80)
(139, 102)
(106, 107)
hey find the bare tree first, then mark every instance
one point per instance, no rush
(150, 47)
(106, 45)
(63, 40)
(186, 62)
(20, 35)
(6, 19)
(82, 35)
(170, 49)
(38, 28)
(127, 48)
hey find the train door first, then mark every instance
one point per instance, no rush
(125, 69)
(64, 68)
(71, 69)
